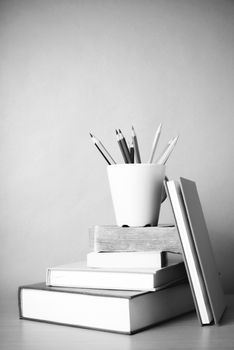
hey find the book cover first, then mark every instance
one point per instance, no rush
(203, 248)
(116, 238)
(81, 276)
(114, 311)
(198, 256)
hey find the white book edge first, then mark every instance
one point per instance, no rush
(128, 313)
(101, 279)
(125, 259)
(74, 275)
(43, 305)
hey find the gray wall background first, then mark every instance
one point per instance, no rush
(71, 67)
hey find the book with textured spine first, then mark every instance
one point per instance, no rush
(115, 238)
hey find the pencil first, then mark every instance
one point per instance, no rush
(121, 146)
(166, 154)
(136, 147)
(106, 155)
(164, 150)
(155, 142)
(131, 150)
(125, 146)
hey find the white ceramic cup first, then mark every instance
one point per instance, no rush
(136, 191)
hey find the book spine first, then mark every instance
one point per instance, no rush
(127, 259)
(109, 238)
(65, 323)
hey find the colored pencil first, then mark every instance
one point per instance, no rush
(121, 146)
(125, 146)
(106, 155)
(136, 147)
(167, 152)
(155, 142)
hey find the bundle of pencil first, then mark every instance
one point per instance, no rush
(131, 152)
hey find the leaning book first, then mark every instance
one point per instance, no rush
(198, 256)
(115, 311)
(81, 276)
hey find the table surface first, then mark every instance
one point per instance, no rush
(181, 333)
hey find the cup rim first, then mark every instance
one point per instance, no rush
(136, 165)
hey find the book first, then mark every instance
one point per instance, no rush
(115, 238)
(81, 276)
(198, 256)
(114, 311)
(150, 259)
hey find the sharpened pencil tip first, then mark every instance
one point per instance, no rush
(159, 129)
(116, 131)
(175, 139)
(90, 134)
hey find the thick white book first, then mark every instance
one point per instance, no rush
(82, 276)
(198, 256)
(114, 311)
(151, 259)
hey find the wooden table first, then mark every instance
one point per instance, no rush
(181, 333)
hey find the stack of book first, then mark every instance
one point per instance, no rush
(132, 279)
